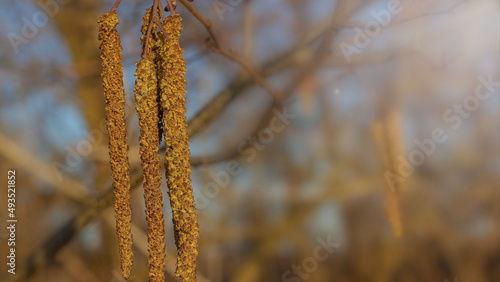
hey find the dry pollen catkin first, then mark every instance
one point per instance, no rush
(178, 169)
(118, 149)
(147, 111)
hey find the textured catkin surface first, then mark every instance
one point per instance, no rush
(118, 149)
(178, 170)
(147, 112)
(145, 95)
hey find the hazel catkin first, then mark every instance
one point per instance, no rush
(112, 75)
(147, 112)
(172, 69)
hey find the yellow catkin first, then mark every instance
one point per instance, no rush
(147, 111)
(178, 169)
(387, 134)
(153, 45)
(118, 149)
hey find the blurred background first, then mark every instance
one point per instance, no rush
(379, 162)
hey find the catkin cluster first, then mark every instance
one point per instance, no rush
(171, 83)
(387, 135)
(161, 108)
(114, 94)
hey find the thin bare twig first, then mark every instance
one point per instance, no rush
(207, 23)
(157, 21)
(252, 71)
(171, 7)
(115, 6)
(162, 14)
(232, 55)
(150, 27)
(72, 189)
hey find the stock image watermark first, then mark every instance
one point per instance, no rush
(454, 116)
(363, 37)
(248, 148)
(309, 264)
(379, 19)
(75, 154)
(221, 7)
(11, 221)
(31, 26)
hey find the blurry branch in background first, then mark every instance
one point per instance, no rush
(385, 55)
(369, 59)
(233, 56)
(248, 31)
(262, 123)
(214, 45)
(297, 215)
(44, 255)
(428, 5)
(249, 271)
(205, 22)
(295, 56)
(73, 20)
(67, 186)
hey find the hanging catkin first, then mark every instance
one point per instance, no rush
(171, 82)
(387, 134)
(147, 111)
(118, 149)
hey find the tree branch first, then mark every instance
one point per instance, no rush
(115, 6)
(207, 23)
